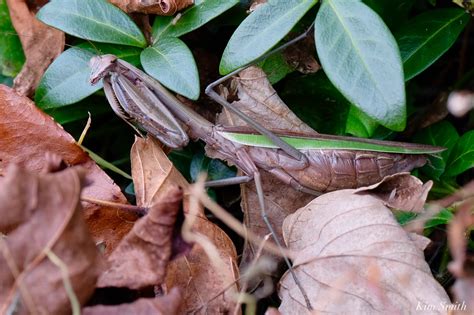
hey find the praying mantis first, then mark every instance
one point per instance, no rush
(312, 165)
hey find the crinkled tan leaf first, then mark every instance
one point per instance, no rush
(164, 305)
(193, 273)
(355, 256)
(158, 7)
(42, 216)
(41, 44)
(259, 100)
(27, 134)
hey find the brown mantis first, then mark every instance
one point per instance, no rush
(310, 164)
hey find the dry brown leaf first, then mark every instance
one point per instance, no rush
(26, 134)
(356, 258)
(41, 44)
(259, 100)
(163, 305)
(300, 56)
(193, 273)
(43, 216)
(158, 7)
(141, 258)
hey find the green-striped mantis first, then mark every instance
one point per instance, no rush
(309, 164)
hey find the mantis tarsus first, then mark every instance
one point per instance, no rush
(313, 165)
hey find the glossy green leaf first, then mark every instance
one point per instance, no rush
(262, 30)
(315, 100)
(215, 169)
(392, 12)
(11, 52)
(171, 62)
(66, 81)
(443, 217)
(462, 156)
(361, 58)
(330, 143)
(359, 124)
(194, 17)
(442, 134)
(275, 67)
(427, 37)
(95, 20)
(6, 80)
(67, 114)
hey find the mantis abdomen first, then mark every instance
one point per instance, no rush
(330, 170)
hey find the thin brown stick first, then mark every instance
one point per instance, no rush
(116, 205)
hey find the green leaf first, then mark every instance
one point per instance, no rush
(68, 114)
(392, 12)
(424, 39)
(443, 217)
(194, 17)
(171, 62)
(6, 80)
(11, 52)
(361, 58)
(359, 124)
(315, 100)
(442, 134)
(275, 67)
(262, 30)
(66, 81)
(215, 169)
(462, 156)
(95, 20)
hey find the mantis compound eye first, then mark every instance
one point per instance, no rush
(100, 67)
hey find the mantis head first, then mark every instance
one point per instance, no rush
(101, 66)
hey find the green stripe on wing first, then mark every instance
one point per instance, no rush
(333, 143)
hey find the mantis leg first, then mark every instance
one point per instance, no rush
(249, 167)
(261, 200)
(229, 181)
(116, 107)
(290, 150)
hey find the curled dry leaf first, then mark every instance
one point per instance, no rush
(41, 44)
(165, 305)
(48, 258)
(193, 273)
(400, 191)
(141, 258)
(357, 257)
(258, 100)
(158, 7)
(26, 134)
